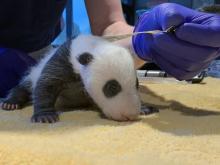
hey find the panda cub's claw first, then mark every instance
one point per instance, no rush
(45, 117)
(147, 110)
(9, 106)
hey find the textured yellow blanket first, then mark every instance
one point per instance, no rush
(185, 131)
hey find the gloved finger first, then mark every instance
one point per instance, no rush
(142, 44)
(199, 34)
(183, 64)
(173, 68)
(168, 15)
(147, 22)
(160, 17)
(178, 49)
(188, 56)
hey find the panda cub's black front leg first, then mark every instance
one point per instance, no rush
(44, 98)
(57, 72)
(55, 75)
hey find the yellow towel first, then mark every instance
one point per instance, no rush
(185, 131)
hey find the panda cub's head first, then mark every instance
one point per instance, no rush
(109, 76)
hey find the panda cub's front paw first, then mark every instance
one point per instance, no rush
(147, 110)
(45, 117)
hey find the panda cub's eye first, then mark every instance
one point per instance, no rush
(137, 83)
(85, 58)
(111, 88)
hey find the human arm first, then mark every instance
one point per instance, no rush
(106, 18)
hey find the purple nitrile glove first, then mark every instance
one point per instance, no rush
(13, 64)
(189, 50)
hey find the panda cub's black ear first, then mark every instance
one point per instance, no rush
(85, 58)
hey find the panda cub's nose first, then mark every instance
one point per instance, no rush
(125, 117)
(130, 117)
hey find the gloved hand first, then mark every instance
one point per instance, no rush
(13, 65)
(189, 50)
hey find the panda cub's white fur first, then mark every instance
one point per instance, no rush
(35, 71)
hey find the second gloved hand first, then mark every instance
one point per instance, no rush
(13, 65)
(189, 50)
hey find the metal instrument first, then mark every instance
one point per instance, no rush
(123, 36)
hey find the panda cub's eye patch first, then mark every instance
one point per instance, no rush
(111, 88)
(85, 58)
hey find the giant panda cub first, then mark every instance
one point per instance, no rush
(92, 70)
